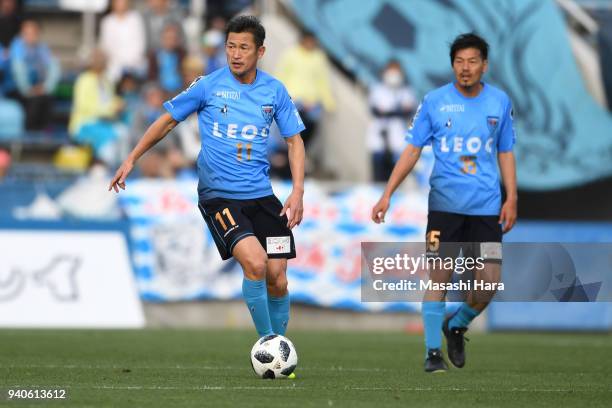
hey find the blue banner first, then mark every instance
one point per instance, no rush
(175, 257)
(563, 135)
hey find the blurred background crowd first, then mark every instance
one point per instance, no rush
(80, 82)
(97, 105)
(72, 103)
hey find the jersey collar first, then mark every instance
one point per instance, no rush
(237, 82)
(475, 98)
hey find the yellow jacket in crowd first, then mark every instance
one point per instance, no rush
(306, 75)
(94, 99)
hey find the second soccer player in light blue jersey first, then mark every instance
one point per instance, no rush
(236, 106)
(468, 123)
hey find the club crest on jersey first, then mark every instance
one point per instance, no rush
(449, 123)
(268, 112)
(492, 122)
(224, 110)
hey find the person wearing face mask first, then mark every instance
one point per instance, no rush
(392, 103)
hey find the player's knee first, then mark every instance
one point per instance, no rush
(255, 268)
(278, 286)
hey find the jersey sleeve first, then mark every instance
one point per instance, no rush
(507, 137)
(286, 114)
(419, 133)
(188, 101)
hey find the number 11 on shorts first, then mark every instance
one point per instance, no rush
(228, 215)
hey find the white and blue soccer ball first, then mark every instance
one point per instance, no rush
(273, 356)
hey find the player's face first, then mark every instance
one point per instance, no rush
(242, 53)
(469, 67)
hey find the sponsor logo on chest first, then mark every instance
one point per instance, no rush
(234, 95)
(234, 130)
(458, 144)
(452, 108)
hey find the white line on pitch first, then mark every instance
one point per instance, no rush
(180, 367)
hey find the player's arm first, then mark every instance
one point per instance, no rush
(294, 204)
(156, 132)
(507, 167)
(402, 168)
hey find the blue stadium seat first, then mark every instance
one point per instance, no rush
(12, 118)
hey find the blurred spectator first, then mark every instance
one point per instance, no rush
(213, 45)
(6, 84)
(392, 103)
(95, 110)
(165, 63)
(192, 69)
(150, 108)
(304, 70)
(122, 38)
(36, 73)
(5, 164)
(128, 89)
(157, 15)
(10, 24)
(10, 21)
(165, 158)
(188, 132)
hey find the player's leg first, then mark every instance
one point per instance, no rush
(485, 234)
(278, 242)
(442, 228)
(233, 234)
(432, 311)
(253, 259)
(278, 295)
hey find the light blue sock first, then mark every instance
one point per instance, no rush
(279, 313)
(433, 316)
(463, 317)
(255, 295)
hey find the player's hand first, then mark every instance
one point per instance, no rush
(294, 208)
(380, 209)
(508, 215)
(120, 176)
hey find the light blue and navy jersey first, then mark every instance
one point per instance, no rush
(466, 134)
(234, 121)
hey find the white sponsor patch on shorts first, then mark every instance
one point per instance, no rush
(278, 245)
(491, 250)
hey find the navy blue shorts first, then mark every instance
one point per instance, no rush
(448, 233)
(231, 220)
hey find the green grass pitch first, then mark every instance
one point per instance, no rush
(196, 368)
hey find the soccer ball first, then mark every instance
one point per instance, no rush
(273, 356)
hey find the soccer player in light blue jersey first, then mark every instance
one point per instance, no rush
(469, 124)
(236, 106)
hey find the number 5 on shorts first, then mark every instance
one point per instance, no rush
(433, 240)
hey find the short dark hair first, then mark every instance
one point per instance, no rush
(469, 40)
(247, 24)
